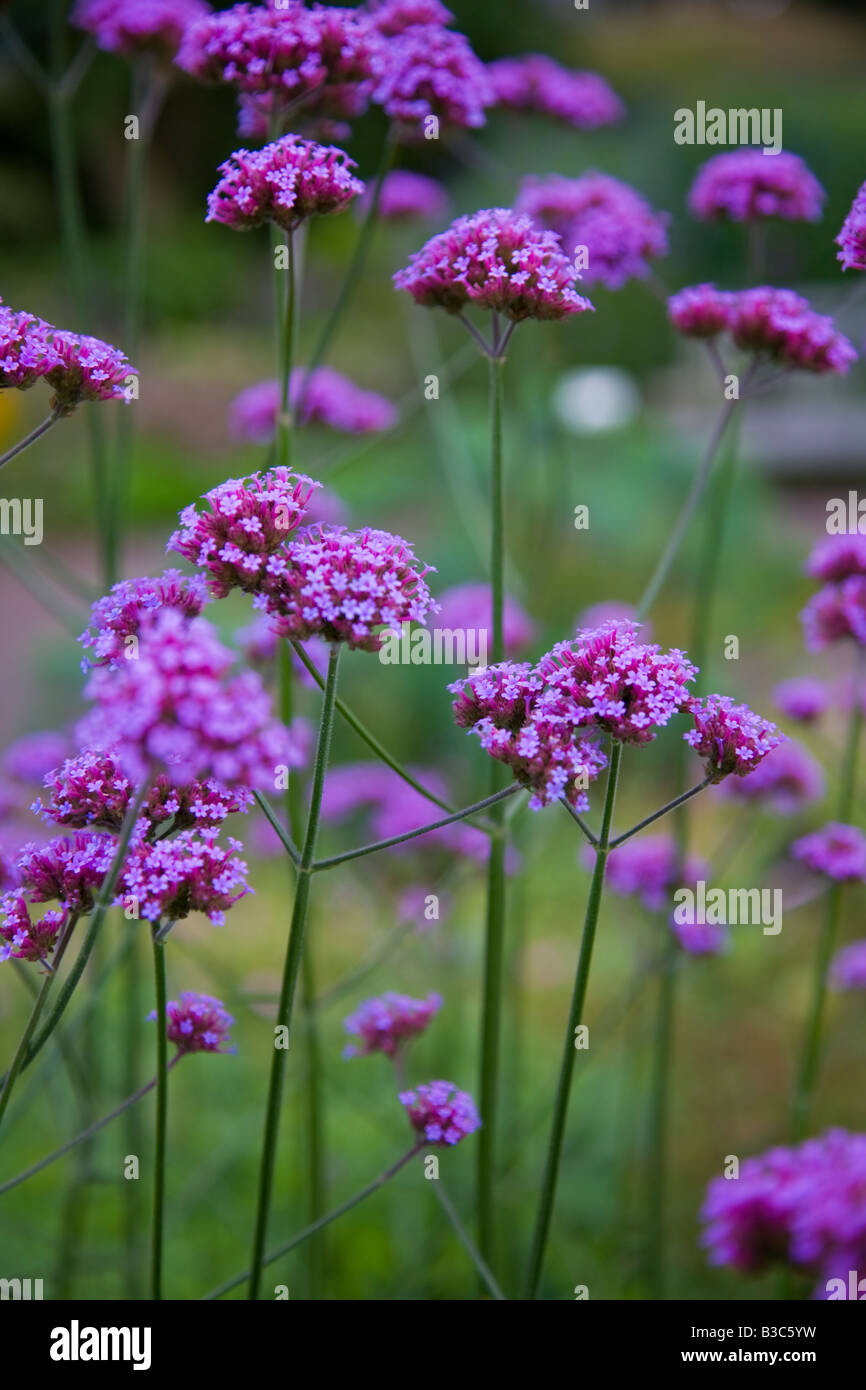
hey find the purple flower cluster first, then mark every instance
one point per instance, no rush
(249, 520)
(849, 966)
(342, 585)
(803, 698)
(386, 1024)
(852, 238)
(495, 259)
(330, 399)
(650, 867)
(749, 185)
(616, 225)
(406, 195)
(187, 873)
(136, 26)
(787, 779)
(284, 182)
(731, 738)
(393, 17)
(427, 71)
(535, 82)
(839, 609)
(698, 938)
(802, 1206)
(469, 608)
(69, 869)
(197, 1023)
(118, 614)
(838, 851)
(25, 939)
(77, 367)
(777, 324)
(441, 1113)
(28, 759)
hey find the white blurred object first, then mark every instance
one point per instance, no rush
(591, 400)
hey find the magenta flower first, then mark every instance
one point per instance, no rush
(441, 1113)
(617, 226)
(535, 82)
(69, 869)
(197, 1023)
(28, 759)
(249, 521)
(343, 585)
(428, 72)
(786, 780)
(406, 195)
(22, 938)
(77, 368)
(23, 349)
(330, 399)
(284, 182)
(497, 260)
(138, 26)
(837, 611)
(837, 851)
(848, 970)
(837, 558)
(748, 185)
(469, 608)
(392, 17)
(699, 939)
(781, 324)
(117, 616)
(387, 1024)
(701, 311)
(731, 738)
(804, 698)
(186, 873)
(649, 867)
(852, 238)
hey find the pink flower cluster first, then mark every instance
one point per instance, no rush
(197, 1023)
(188, 872)
(837, 851)
(838, 610)
(535, 82)
(77, 367)
(69, 869)
(249, 520)
(426, 71)
(441, 1113)
(495, 259)
(284, 182)
(342, 585)
(408, 195)
(21, 937)
(776, 324)
(330, 399)
(136, 26)
(469, 608)
(731, 738)
(118, 614)
(616, 225)
(852, 238)
(749, 185)
(393, 17)
(387, 1024)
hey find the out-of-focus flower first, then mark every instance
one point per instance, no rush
(398, 808)
(469, 608)
(619, 229)
(440, 1112)
(848, 970)
(185, 873)
(838, 851)
(650, 867)
(387, 1023)
(787, 779)
(837, 557)
(782, 325)
(425, 72)
(535, 82)
(21, 937)
(595, 400)
(804, 698)
(197, 1023)
(138, 26)
(344, 585)
(29, 758)
(284, 182)
(330, 399)
(700, 938)
(701, 311)
(495, 259)
(747, 186)
(731, 738)
(837, 611)
(406, 195)
(117, 615)
(610, 611)
(852, 238)
(392, 17)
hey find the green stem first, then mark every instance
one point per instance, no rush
(294, 952)
(484, 1272)
(22, 1050)
(493, 800)
(315, 1117)
(161, 1119)
(575, 1018)
(30, 438)
(284, 303)
(663, 811)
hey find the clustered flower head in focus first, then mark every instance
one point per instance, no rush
(76, 367)
(535, 82)
(117, 616)
(440, 1112)
(776, 325)
(731, 738)
(747, 185)
(386, 1024)
(188, 872)
(838, 610)
(801, 1207)
(852, 238)
(197, 1023)
(330, 399)
(284, 182)
(132, 27)
(617, 226)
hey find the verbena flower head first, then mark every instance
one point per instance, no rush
(117, 616)
(782, 325)
(469, 608)
(803, 698)
(838, 851)
(731, 738)
(535, 82)
(284, 182)
(786, 780)
(495, 259)
(80, 368)
(700, 939)
(386, 1024)
(441, 1113)
(136, 26)
(852, 238)
(21, 938)
(69, 869)
(650, 867)
(317, 58)
(392, 17)
(178, 705)
(23, 349)
(837, 557)
(344, 585)
(618, 227)
(618, 684)
(247, 522)
(406, 195)
(29, 758)
(701, 311)
(330, 399)
(836, 612)
(185, 873)
(848, 970)
(425, 72)
(748, 185)
(197, 1023)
